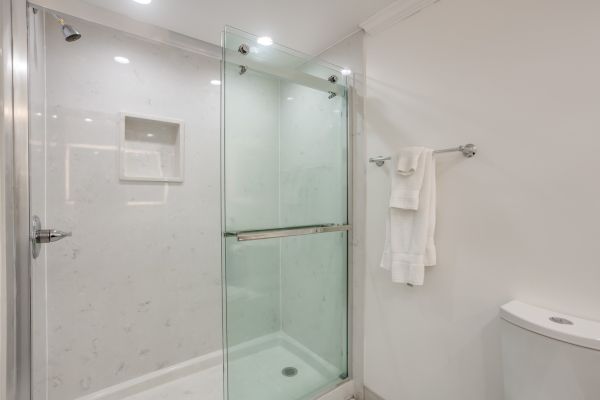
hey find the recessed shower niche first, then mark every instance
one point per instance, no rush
(151, 148)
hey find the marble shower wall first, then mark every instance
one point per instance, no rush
(137, 287)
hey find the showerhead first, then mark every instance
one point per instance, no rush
(71, 34)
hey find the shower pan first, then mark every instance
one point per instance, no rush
(285, 218)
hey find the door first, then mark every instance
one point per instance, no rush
(285, 148)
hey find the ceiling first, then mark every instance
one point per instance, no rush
(309, 26)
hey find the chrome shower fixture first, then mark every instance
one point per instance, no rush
(70, 33)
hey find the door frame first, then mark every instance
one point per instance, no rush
(15, 245)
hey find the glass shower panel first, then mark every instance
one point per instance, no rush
(286, 316)
(285, 138)
(286, 215)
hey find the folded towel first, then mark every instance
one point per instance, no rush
(409, 245)
(408, 159)
(408, 179)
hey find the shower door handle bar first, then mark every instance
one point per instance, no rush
(287, 232)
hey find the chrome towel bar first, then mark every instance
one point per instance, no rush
(468, 150)
(286, 232)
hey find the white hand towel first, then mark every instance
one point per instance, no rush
(408, 179)
(409, 245)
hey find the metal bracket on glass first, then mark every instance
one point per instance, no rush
(286, 232)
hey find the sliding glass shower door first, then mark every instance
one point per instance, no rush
(285, 148)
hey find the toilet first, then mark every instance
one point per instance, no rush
(548, 355)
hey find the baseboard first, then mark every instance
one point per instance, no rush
(157, 378)
(370, 395)
(343, 392)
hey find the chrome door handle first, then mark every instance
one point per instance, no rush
(50, 235)
(42, 236)
(286, 232)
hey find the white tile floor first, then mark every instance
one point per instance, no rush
(254, 376)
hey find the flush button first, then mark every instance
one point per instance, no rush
(562, 321)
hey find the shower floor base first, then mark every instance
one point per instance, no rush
(206, 385)
(255, 371)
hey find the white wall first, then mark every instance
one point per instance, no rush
(520, 80)
(138, 287)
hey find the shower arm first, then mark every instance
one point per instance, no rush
(59, 19)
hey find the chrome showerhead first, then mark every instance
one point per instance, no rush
(71, 34)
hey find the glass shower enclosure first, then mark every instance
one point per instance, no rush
(285, 217)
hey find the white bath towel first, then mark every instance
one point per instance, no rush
(410, 228)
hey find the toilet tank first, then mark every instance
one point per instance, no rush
(548, 355)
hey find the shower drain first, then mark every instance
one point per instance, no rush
(289, 371)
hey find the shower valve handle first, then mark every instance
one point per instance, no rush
(50, 235)
(41, 236)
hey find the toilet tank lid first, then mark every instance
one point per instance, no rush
(567, 328)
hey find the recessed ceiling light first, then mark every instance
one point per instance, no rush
(122, 60)
(264, 40)
(346, 72)
(38, 114)
(88, 120)
(215, 82)
(143, 1)
(55, 116)
(290, 98)
(150, 134)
